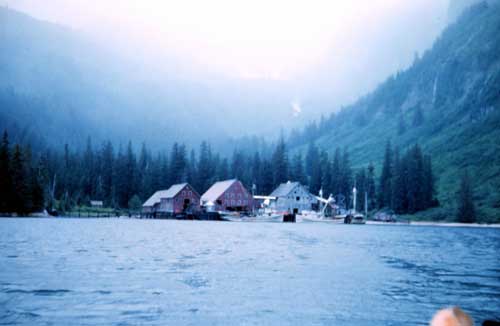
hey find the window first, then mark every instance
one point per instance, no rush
(190, 193)
(298, 198)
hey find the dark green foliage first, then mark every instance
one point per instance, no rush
(135, 203)
(385, 183)
(5, 175)
(20, 197)
(371, 188)
(466, 212)
(280, 163)
(448, 102)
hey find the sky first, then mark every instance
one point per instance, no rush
(258, 39)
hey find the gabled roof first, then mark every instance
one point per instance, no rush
(217, 190)
(164, 194)
(155, 199)
(284, 189)
(174, 190)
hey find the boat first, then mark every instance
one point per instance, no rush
(358, 219)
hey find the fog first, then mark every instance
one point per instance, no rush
(287, 62)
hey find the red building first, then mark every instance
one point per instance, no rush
(178, 199)
(229, 195)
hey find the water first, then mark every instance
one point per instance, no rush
(158, 272)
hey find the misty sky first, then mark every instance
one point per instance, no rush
(275, 39)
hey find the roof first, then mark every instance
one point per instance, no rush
(164, 194)
(284, 189)
(217, 190)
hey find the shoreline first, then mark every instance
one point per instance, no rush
(408, 223)
(437, 223)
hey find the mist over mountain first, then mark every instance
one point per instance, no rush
(448, 101)
(70, 84)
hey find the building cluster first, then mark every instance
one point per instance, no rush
(227, 196)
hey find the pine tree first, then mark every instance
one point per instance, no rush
(335, 173)
(398, 187)
(19, 182)
(429, 181)
(130, 173)
(326, 174)
(107, 173)
(280, 163)
(371, 188)
(466, 212)
(297, 172)
(267, 177)
(312, 158)
(415, 189)
(5, 176)
(346, 181)
(361, 187)
(205, 169)
(88, 171)
(385, 190)
(256, 172)
(223, 170)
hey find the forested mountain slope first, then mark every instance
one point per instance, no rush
(448, 102)
(60, 85)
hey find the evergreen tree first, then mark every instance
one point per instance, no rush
(371, 188)
(346, 181)
(19, 182)
(267, 177)
(107, 173)
(280, 163)
(466, 212)
(5, 176)
(223, 170)
(326, 174)
(297, 172)
(312, 158)
(256, 170)
(178, 164)
(385, 190)
(361, 187)
(398, 187)
(205, 169)
(415, 186)
(429, 181)
(336, 173)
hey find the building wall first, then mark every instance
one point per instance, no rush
(235, 196)
(186, 193)
(176, 205)
(299, 199)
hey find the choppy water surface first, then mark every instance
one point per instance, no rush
(150, 272)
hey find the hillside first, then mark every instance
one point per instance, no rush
(448, 102)
(61, 85)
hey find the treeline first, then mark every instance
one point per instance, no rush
(122, 179)
(406, 181)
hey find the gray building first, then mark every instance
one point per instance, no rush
(293, 197)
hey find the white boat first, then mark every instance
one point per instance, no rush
(358, 219)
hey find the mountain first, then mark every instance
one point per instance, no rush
(448, 101)
(59, 85)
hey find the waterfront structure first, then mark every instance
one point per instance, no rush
(229, 195)
(293, 197)
(178, 199)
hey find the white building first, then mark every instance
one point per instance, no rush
(293, 197)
